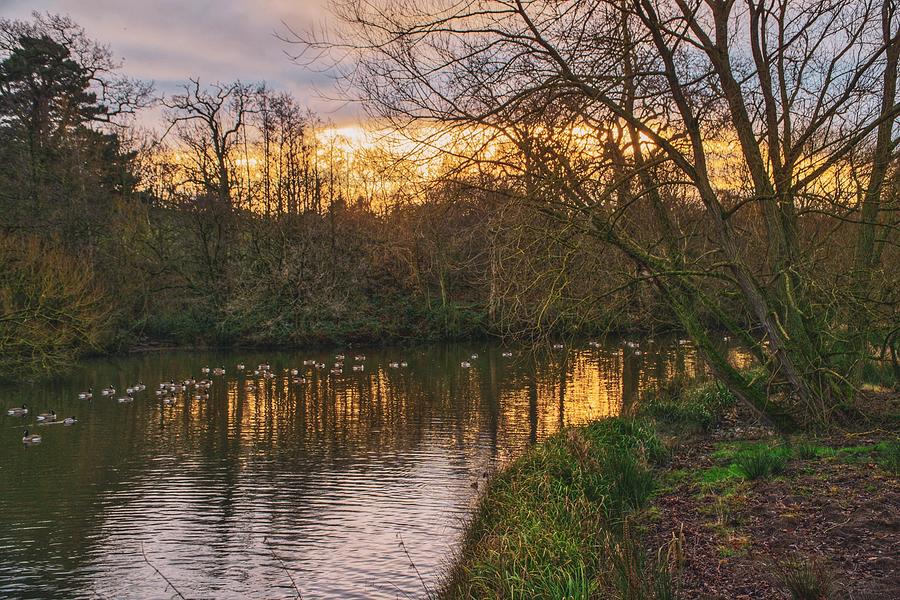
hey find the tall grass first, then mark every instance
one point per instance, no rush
(542, 529)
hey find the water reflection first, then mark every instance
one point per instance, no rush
(318, 480)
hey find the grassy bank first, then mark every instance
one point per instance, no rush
(689, 499)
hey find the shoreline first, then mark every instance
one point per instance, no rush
(690, 499)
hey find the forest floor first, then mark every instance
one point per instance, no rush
(826, 526)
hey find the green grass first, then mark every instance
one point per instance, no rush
(699, 406)
(544, 525)
(888, 456)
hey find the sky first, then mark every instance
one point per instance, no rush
(167, 41)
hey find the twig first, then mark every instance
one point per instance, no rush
(160, 573)
(413, 565)
(283, 566)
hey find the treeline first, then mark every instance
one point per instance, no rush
(245, 219)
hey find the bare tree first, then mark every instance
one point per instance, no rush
(748, 131)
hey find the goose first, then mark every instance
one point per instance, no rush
(47, 417)
(359, 367)
(338, 357)
(126, 398)
(108, 391)
(359, 357)
(465, 364)
(69, 421)
(18, 412)
(86, 395)
(337, 371)
(338, 365)
(30, 439)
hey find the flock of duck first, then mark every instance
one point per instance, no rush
(169, 391)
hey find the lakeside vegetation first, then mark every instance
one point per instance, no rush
(678, 501)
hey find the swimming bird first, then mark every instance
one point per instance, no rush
(359, 367)
(18, 412)
(359, 357)
(69, 421)
(126, 398)
(219, 371)
(34, 438)
(241, 366)
(86, 395)
(108, 391)
(47, 417)
(474, 357)
(394, 365)
(465, 364)
(204, 370)
(338, 357)
(169, 400)
(507, 355)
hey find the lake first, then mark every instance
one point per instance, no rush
(339, 482)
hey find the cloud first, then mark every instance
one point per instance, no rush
(168, 41)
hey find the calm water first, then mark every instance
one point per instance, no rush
(326, 477)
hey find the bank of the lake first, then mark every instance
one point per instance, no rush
(689, 498)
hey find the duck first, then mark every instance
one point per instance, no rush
(359, 358)
(69, 421)
(126, 398)
(359, 367)
(507, 355)
(129, 390)
(309, 363)
(465, 364)
(295, 372)
(18, 412)
(558, 346)
(219, 371)
(338, 357)
(201, 396)
(169, 400)
(86, 395)
(108, 391)
(394, 365)
(241, 366)
(205, 370)
(33, 438)
(474, 357)
(47, 417)
(298, 380)
(140, 387)
(250, 387)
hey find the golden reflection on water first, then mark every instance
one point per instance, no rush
(328, 473)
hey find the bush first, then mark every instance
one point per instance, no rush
(51, 310)
(699, 406)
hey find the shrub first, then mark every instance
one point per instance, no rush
(698, 406)
(51, 310)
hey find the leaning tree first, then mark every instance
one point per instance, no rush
(742, 153)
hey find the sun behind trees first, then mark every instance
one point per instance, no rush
(742, 156)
